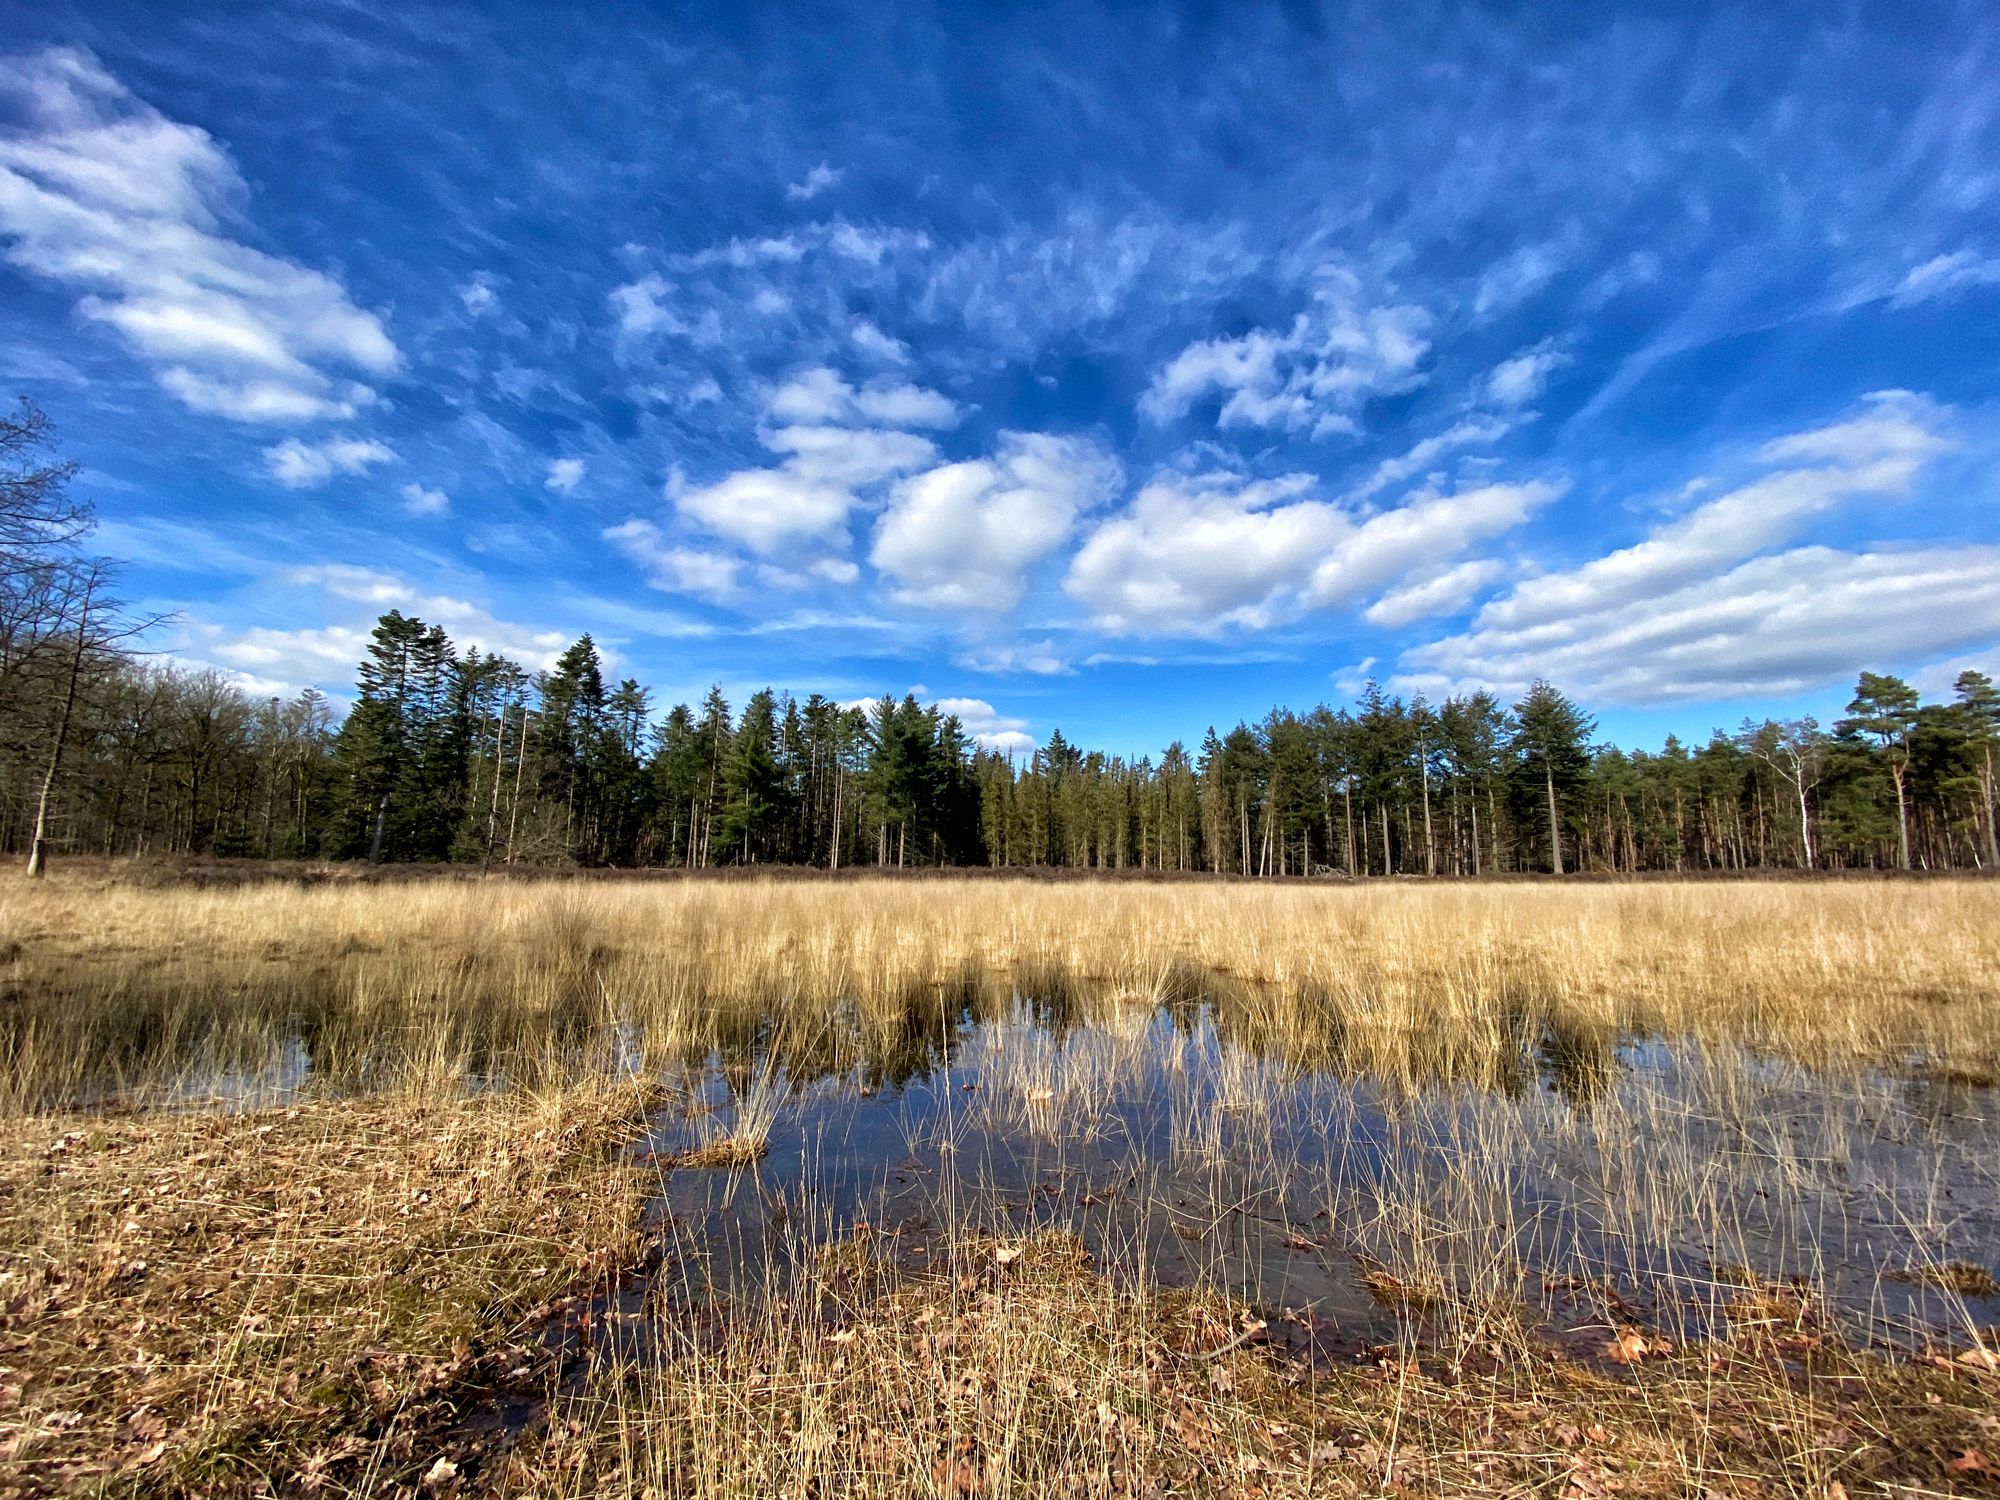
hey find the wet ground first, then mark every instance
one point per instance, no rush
(1616, 1182)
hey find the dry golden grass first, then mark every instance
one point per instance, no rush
(429, 1271)
(122, 987)
(200, 1303)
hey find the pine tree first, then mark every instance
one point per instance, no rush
(1979, 703)
(752, 784)
(1884, 713)
(1551, 748)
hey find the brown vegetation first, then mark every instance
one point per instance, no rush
(425, 1263)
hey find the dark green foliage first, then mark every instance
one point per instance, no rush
(469, 757)
(400, 759)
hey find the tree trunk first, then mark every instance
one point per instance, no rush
(381, 820)
(38, 849)
(1555, 830)
(493, 804)
(1347, 792)
(1992, 822)
(1430, 844)
(1902, 819)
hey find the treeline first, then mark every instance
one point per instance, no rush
(450, 755)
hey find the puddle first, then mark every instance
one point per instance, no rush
(1606, 1182)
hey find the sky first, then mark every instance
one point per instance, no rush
(1123, 369)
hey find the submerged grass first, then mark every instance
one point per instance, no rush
(415, 1257)
(145, 991)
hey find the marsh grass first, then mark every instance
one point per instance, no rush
(1640, 1181)
(136, 992)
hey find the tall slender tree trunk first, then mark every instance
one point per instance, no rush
(1555, 830)
(1473, 803)
(1383, 808)
(38, 848)
(493, 804)
(1430, 843)
(1992, 820)
(514, 805)
(833, 848)
(1902, 818)
(1347, 792)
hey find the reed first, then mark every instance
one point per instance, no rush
(1641, 1189)
(119, 989)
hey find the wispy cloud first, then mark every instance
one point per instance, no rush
(1695, 611)
(565, 474)
(101, 192)
(1314, 376)
(815, 182)
(298, 465)
(419, 500)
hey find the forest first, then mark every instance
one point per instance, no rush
(449, 754)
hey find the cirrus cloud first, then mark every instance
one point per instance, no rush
(102, 192)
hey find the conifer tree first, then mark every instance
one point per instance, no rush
(1884, 714)
(1551, 747)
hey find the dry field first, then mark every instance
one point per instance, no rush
(1642, 1189)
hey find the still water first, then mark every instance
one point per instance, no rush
(1603, 1181)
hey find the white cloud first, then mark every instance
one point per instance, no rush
(808, 496)
(102, 192)
(425, 502)
(817, 181)
(1694, 610)
(1878, 451)
(817, 395)
(820, 396)
(962, 536)
(1445, 592)
(299, 466)
(874, 341)
(1947, 275)
(675, 569)
(1316, 376)
(1200, 556)
(1522, 379)
(478, 296)
(642, 309)
(1470, 432)
(1194, 556)
(905, 406)
(1039, 657)
(565, 474)
(990, 729)
(266, 660)
(1772, 626)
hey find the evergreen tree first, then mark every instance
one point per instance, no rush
(753, 792)
(400, 755)
(1979, 703)
(1883, 714)
(1551, 748)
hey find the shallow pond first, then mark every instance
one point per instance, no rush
(1603, 1182)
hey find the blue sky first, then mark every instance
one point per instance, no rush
(1124, 368)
